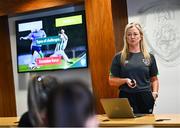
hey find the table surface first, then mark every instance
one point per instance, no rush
(167, 120)
(9, 121)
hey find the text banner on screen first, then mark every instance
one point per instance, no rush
(70, 20)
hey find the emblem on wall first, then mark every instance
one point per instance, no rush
(160, 20)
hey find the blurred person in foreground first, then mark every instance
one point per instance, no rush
(71, 104)
(38, 91)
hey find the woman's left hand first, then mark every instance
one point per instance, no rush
(155, 95)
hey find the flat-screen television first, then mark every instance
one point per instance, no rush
(52, 42)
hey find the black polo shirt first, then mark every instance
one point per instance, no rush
(135, 67)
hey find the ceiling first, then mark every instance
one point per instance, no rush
(12, 7)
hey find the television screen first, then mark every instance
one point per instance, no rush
(52, 42)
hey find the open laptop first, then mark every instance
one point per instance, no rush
(118, 108)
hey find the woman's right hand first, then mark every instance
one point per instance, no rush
(131, 83)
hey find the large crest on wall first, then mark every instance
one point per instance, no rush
(162, 30)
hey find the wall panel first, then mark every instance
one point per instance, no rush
(7, 92)
(119, 13)
(101, 47)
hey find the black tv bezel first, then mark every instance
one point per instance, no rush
(82, 11)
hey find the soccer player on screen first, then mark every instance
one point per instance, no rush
(36, 49)
(60, 47)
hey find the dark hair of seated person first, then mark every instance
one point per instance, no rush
(38, 91)
(70, 104)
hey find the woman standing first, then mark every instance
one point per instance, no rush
(134, 71)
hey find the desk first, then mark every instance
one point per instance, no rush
(9, 121)
(173, 120)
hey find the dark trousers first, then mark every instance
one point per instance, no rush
(141, 102)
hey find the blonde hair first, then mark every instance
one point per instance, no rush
(143, 47)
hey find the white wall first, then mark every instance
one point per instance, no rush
(21, 79)
(160, 20)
